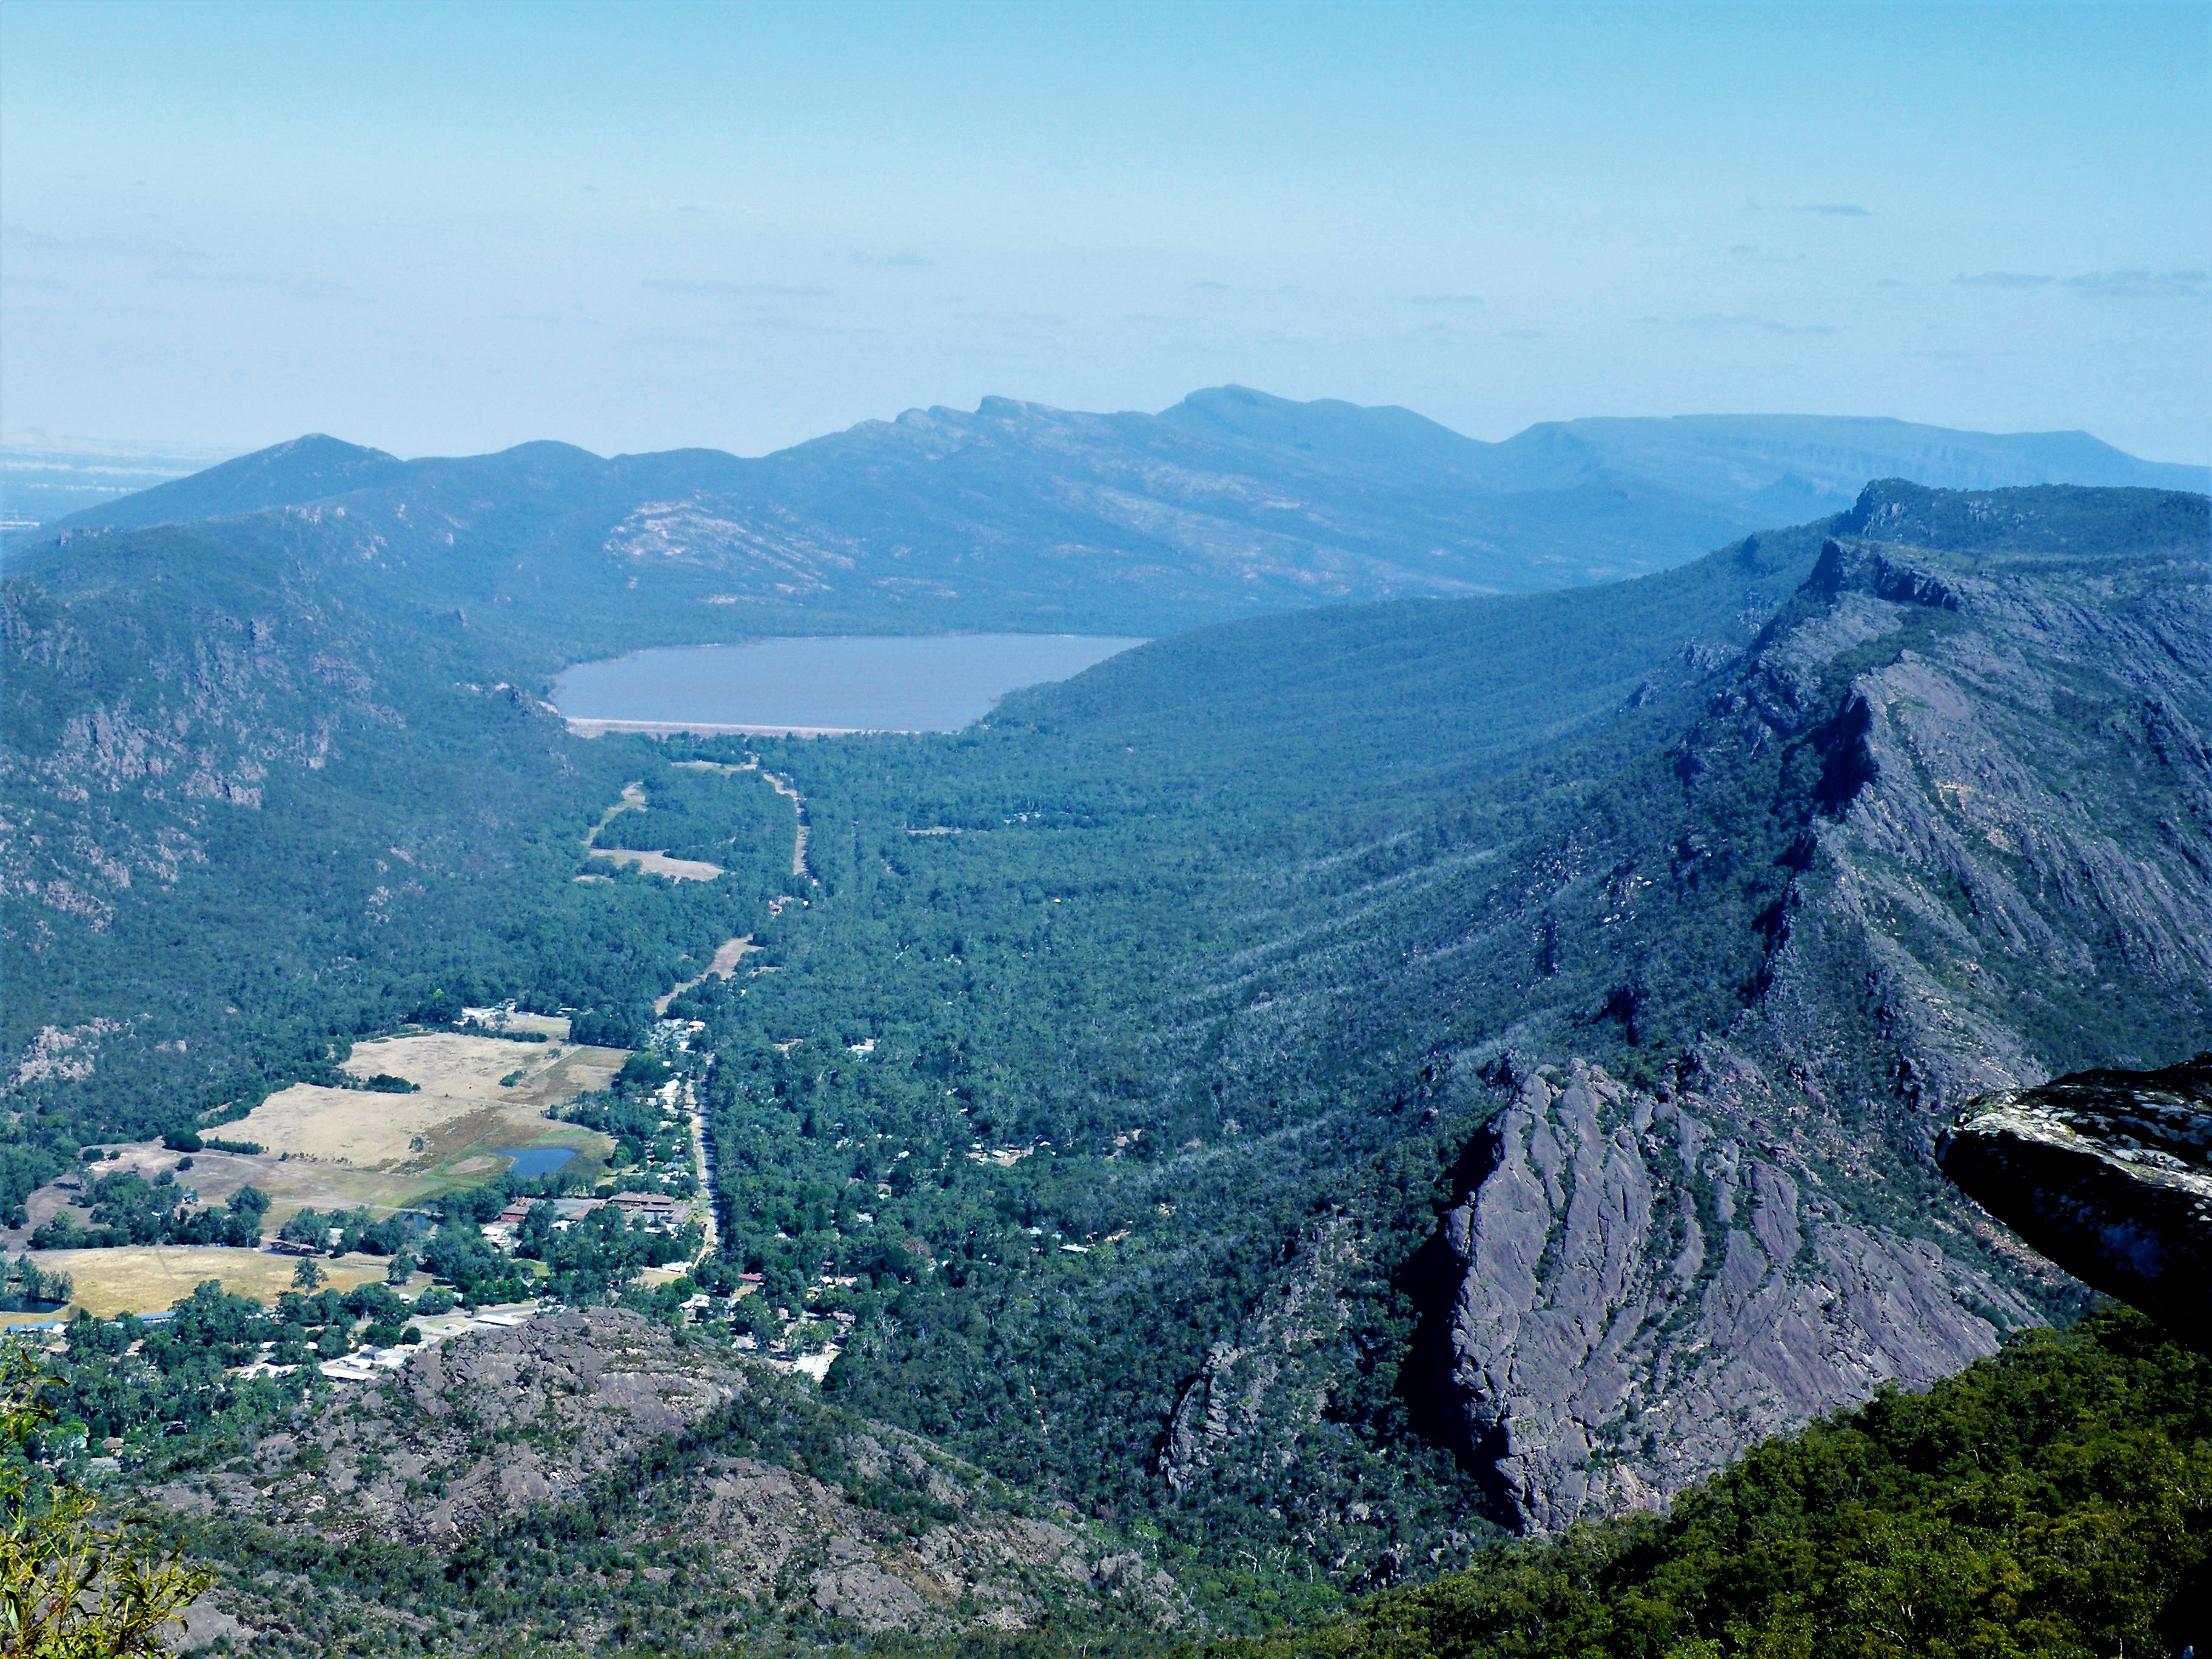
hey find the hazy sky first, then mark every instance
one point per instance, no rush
(443, 229)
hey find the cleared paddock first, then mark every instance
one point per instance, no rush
(143, 1278)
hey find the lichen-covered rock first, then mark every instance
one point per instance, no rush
(1651, 1285)
(2109, 1173)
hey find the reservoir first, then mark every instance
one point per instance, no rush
(902, 684)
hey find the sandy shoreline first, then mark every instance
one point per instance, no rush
(591, 728)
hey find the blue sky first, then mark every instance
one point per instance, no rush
(444, 230)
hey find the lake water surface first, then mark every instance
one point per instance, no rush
(938, 683)
(531, 1162)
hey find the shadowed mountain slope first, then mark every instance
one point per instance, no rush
(1920, 807)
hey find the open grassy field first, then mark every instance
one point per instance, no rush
(326, 1149)
(659, 864)
(499, 1020)
(479, 1096)
(144, 1279)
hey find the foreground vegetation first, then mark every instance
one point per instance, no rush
(2054, 1503)
(70, 1588)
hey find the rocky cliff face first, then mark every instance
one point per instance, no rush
(121, 752)
(1652, 1282)
(1937, 820)
(2014, 869)
(2109, 1173)
(1270, 1381)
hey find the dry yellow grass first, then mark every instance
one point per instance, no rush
(731, 952)
(329, 1147)
(447, 1063)
(653, 864)
(144, 1279)
(659, 864)
(500, 1021)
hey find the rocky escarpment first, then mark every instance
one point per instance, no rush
(1652, 1282)
(2012, 868)
(1989, 743)
(714, 1482)
(2109, 1173)
(1945, 827)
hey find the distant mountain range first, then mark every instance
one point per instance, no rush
(1231, 503)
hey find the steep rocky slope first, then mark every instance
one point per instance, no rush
(145, 702)
(1944, 824)
(1654, 1282)
(1977, 741)
(1938, 820)
(730, 1497)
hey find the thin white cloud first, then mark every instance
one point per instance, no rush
(750, 290)
(1714, 322)
(1826, 210)
(2142, 284)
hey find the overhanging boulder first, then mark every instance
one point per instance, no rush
(2109, 1174)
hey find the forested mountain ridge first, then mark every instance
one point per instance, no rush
(1786, 882)
(1946, 828)
(1231, 503)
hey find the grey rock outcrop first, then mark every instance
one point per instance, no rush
(2109, 1173)
(477, 1432)
(1651, 1285)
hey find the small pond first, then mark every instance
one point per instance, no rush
(936, 684)
(531, 1162)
